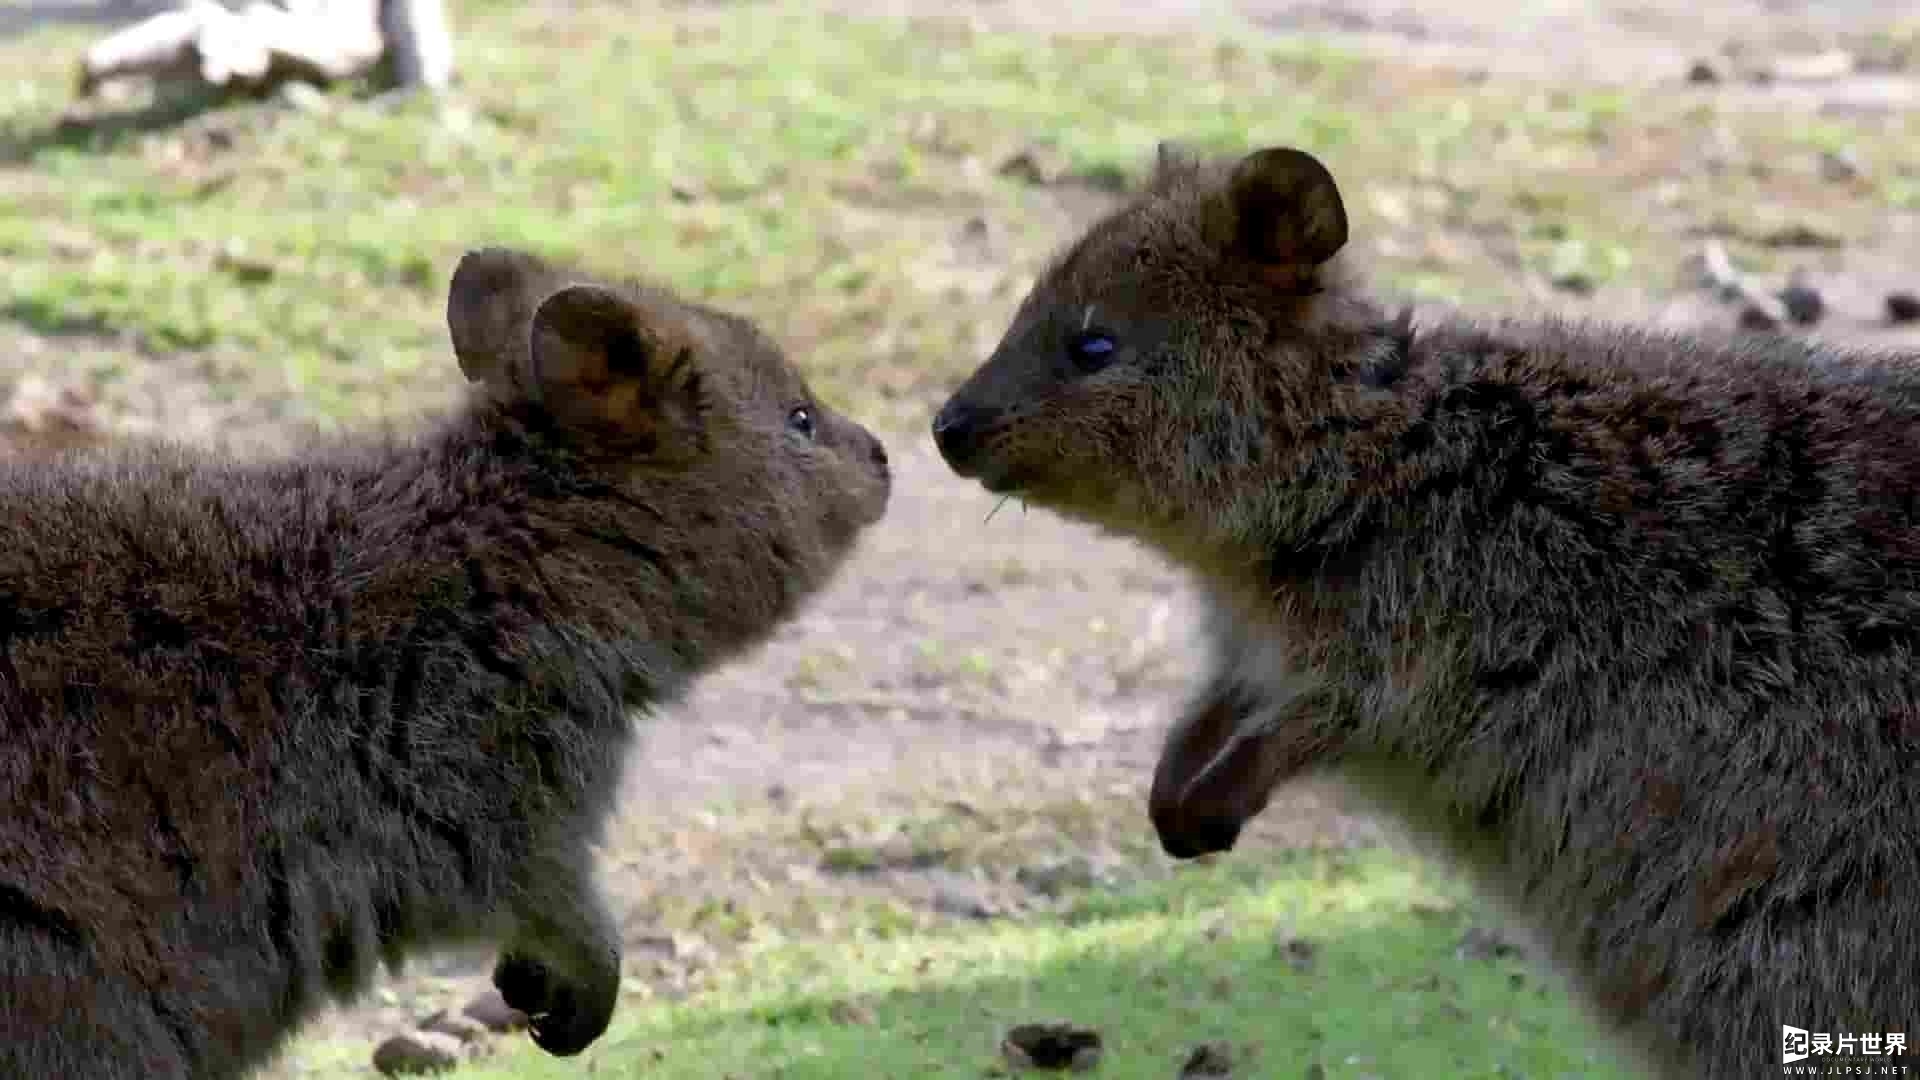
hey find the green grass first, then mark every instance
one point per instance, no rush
(1345, 960)
(821, 175)
(815, 173)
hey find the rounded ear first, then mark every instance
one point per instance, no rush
(1286, 209)
(490, 306)
(617, 367)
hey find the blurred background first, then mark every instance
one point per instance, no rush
(914, 827)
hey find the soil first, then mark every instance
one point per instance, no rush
(969, 642)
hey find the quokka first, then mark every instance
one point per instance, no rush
(1623, 621)
(264, 726)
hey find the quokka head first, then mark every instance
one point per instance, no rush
(1196, 334)
(657, 400)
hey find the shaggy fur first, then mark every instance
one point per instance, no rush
(265, 725)
(1624, 621)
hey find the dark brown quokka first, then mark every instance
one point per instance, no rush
(263, 726)
(1625, 621)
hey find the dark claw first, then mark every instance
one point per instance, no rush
(563, 1017)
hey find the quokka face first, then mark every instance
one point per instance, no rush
(1175, 376)
(674, 400)
(1119, 393)
(707, 482)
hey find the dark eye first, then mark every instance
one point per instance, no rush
(801, 420)
(1091, 350)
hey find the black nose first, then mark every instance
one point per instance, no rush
(879, 452)
(956, 431)
(1203, 837)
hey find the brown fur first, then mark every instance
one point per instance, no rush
(268, 724)
(1624, 621)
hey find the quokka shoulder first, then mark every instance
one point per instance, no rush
(1623, 620)
(268, 724)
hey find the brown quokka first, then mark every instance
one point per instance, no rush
(263, 726)
(1625, 621)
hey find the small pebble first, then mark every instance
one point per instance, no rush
(1210, 1060)
(490, 1009)
(1752, 317)
(1703, 72)
(1481, 943)
(1299, 953)
(1576, 282)
(1803, 303)
(1052, 1046)
(412, 1053)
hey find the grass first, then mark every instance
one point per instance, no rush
(1344, 960)
(842, 181)
(818, 174)
(1155, 969)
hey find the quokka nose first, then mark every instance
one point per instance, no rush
(956, 431)
(879, 452)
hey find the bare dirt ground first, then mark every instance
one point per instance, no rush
(973, 654)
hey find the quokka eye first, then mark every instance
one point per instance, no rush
(1092, 350)
(801, 420)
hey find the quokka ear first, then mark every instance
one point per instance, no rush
(617, 369)
(490, 306)
(1172, 161)
(1282, 209)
